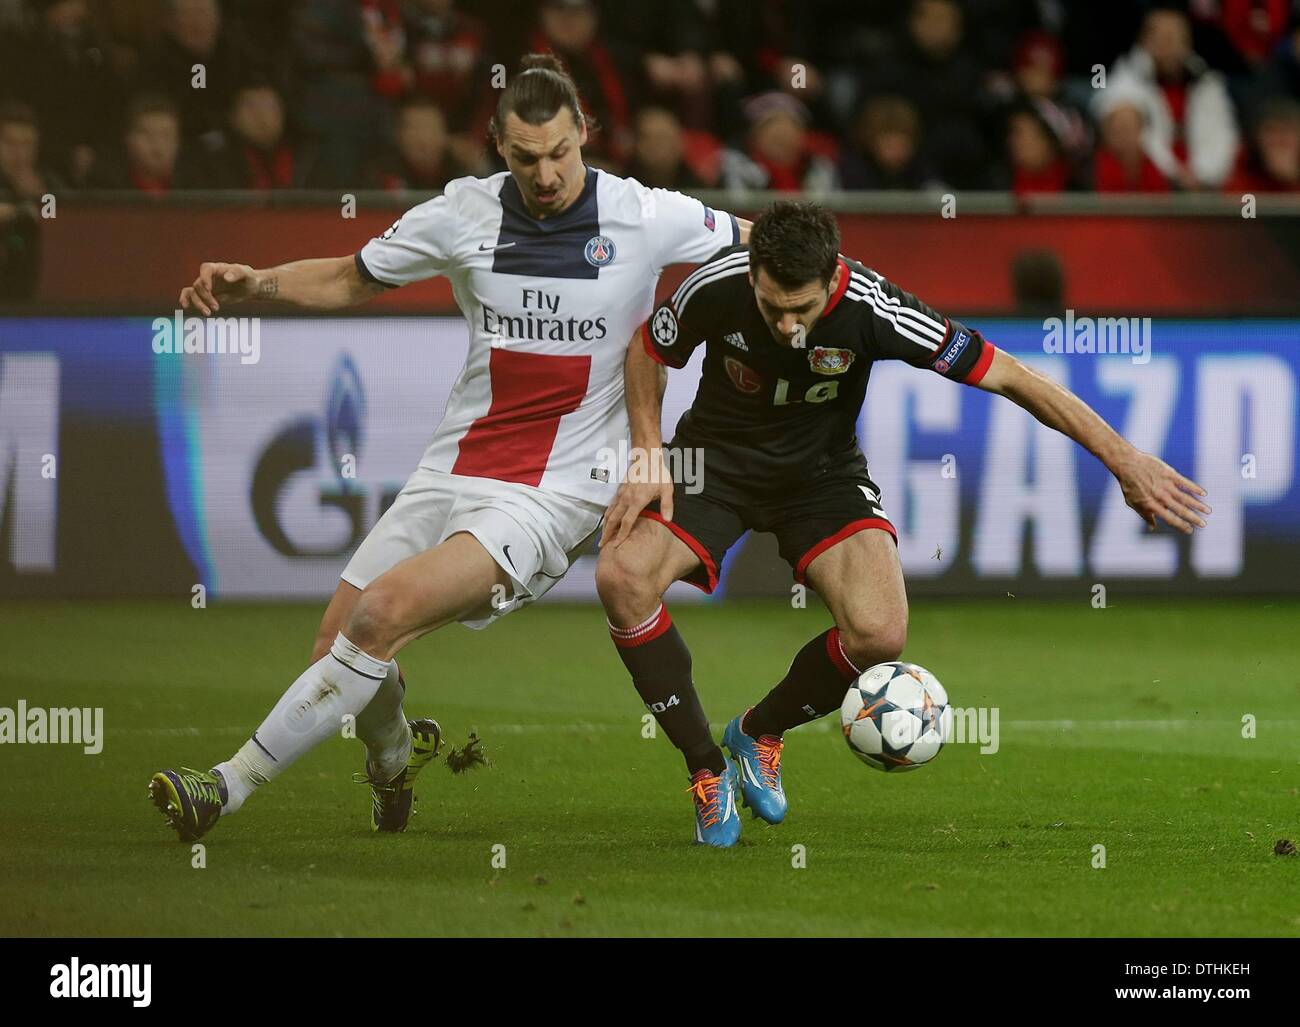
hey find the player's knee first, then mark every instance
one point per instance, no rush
(870, 640)
(624, 587)
(377, 620)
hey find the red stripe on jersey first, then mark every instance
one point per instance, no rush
(650, 346)
(982, 365)
(852, 528)
(839, 289)
(530, 393)
(695, 546)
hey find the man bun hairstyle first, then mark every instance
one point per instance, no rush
(795, 242)
(539, 89)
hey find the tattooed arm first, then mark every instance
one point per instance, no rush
(327, 283)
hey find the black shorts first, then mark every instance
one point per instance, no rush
(806, 520)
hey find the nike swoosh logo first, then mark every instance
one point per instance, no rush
(506, 551)
(483, 247)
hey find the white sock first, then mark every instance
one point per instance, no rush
(312, 710)
(382, 726)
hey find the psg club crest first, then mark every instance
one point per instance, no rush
(599, 251)
(828, 360)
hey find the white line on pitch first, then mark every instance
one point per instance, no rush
(824, 725)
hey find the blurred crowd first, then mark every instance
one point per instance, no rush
(1033, 96)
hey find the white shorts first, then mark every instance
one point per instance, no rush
(534, 536)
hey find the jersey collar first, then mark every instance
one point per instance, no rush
(580, 208)
(839, 289)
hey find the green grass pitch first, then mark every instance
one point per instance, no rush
(1119, 727)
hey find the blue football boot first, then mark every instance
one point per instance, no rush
(717, 821)
(759, 762)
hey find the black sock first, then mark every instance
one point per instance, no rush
(660, 664)
(813, 687)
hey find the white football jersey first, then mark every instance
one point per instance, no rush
(551, 306)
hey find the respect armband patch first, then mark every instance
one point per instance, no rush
(955, 349)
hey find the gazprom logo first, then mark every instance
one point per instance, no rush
(320, 455)
(345, 412)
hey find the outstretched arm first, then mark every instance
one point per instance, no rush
(327, 283)
(644, 382)
(1151, 486)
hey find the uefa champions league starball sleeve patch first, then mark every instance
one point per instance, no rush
(663, 326)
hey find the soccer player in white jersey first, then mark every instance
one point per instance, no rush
(554, 266)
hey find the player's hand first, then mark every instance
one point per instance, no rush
(1156, 491)
(218, 282)
(648, 479)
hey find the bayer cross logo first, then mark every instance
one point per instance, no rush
(664, 327)
(599, 250)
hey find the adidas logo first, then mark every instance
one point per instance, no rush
(737, 340)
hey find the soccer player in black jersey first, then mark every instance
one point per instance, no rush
(791, 329)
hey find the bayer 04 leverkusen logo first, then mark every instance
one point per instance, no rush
(829, 360)
(599, 250)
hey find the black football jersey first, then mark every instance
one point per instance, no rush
(771, 415)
